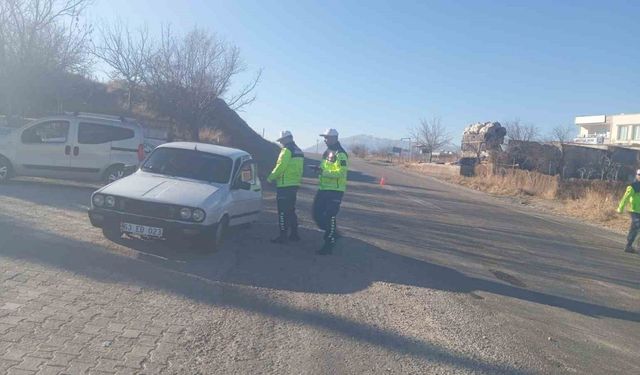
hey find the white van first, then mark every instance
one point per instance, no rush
(183, 191)
(73, 146)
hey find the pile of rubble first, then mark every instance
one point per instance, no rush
(481, 137)
(491, 128)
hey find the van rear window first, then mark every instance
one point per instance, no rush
(93, 134)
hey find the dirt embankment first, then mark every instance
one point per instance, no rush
(238, 134)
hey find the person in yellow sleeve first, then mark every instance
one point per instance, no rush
(287, 174)
(332, 174)
(632, 198)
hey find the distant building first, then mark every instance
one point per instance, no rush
(621, 130)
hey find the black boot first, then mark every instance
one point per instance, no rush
(329, 238)
(629, 249)
(281, 239)
(294, 228)
(326, 249)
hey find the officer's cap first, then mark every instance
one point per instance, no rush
(330, 133)
(284, 134)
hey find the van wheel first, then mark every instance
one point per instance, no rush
(5, 170)
(113, 173)
(213, 242)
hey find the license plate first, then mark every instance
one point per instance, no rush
(142, 230)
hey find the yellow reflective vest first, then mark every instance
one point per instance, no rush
(289, 167)
(333, 169)
(631, 197)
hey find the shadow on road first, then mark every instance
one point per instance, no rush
(356, 266)
(321, 274)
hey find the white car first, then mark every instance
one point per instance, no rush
(73, 146)
(183, 191)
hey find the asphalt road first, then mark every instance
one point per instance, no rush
(429, 278)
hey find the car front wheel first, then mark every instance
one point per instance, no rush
(212, 242)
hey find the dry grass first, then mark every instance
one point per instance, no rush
(593, 201)
(513, 182)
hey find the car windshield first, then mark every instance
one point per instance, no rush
(191, 164)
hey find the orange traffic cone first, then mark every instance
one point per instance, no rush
(382, 181)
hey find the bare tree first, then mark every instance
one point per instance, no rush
(126, 52)
(562, 134)
(431, 134)
(518, 131)
(40, 41)
(187, 75)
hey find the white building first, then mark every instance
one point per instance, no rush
(622, 129)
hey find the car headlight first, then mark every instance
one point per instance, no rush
(109, 201)
(98, 200)
(185, 213)
(198, 215)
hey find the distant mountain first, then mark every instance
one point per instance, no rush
(370, 142)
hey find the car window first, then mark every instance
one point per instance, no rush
(192, 164)
(93, 134)
(56, 131)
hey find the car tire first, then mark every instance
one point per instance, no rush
(5, 170)
(113, 173)
(212, 242)
(112, 233)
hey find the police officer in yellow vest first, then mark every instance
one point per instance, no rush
(632, 197)
(333, 182)
(287, 174)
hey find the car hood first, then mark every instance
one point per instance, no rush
(164, 189)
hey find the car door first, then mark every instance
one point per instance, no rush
(91, 153)
(246, 195)
(44, 149)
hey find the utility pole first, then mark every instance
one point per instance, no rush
(317, 146)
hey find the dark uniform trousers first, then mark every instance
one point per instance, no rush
(633, 230)
(326, 206)
(286, 198)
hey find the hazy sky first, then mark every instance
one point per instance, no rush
(377, 67)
